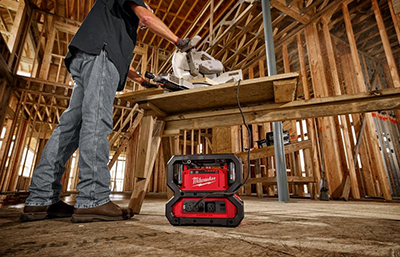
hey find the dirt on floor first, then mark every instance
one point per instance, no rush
(299, 228)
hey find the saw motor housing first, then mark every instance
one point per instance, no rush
(191, 177)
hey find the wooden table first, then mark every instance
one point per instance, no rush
(263, 100)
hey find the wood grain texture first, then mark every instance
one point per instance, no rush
(251, 91)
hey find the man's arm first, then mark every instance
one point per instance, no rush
(153, 23)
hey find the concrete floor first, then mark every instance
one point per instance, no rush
(299, 228)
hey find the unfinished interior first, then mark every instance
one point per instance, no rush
(337, 93)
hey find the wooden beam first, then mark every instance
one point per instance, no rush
(259, 54)
(154, 140)
(291, 10)
(10, 4)
(46, 62)
(386, 44)
(312, 155)
(300, 109)
(395, 18)
(65, 27)
(16, 26)
(254, 90)
(290, 179)
(5, 70)
(269, 150)
(333, 168)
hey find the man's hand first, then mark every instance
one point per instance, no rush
(183, 44)
(133, 75)
(147, 84)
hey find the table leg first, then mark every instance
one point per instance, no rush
(149, 143)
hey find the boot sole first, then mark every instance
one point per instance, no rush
(82, 218)
(32, 216)
(51, 215)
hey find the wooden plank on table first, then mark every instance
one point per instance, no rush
(139, 93)
(204, 80)
(285, 90)
(224, 95)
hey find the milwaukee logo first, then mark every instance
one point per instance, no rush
(198, 182)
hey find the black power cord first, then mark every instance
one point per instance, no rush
(248, 155)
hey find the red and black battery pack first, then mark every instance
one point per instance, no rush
(192, 177)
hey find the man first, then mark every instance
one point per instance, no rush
(99, 61)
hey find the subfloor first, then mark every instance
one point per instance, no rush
(299, 228)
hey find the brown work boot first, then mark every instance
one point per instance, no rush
(106, 212)
(57, 210)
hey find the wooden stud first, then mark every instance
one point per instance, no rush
(46, 62)
(5, 176)
(295, 162)
(386, 44)
(4, 148)
(360, 85)
(184, 142)
(124, 142)
(16, 28)
(333, 168)
(338, 91)
(395, 18)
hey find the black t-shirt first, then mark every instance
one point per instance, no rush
(112, 25)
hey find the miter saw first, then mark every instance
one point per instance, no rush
(192, 68)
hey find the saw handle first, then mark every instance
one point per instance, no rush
(149, 75)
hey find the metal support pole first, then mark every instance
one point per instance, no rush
(280, 162)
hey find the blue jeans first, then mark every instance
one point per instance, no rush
(86, 123)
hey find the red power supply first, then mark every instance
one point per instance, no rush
(192, 177)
